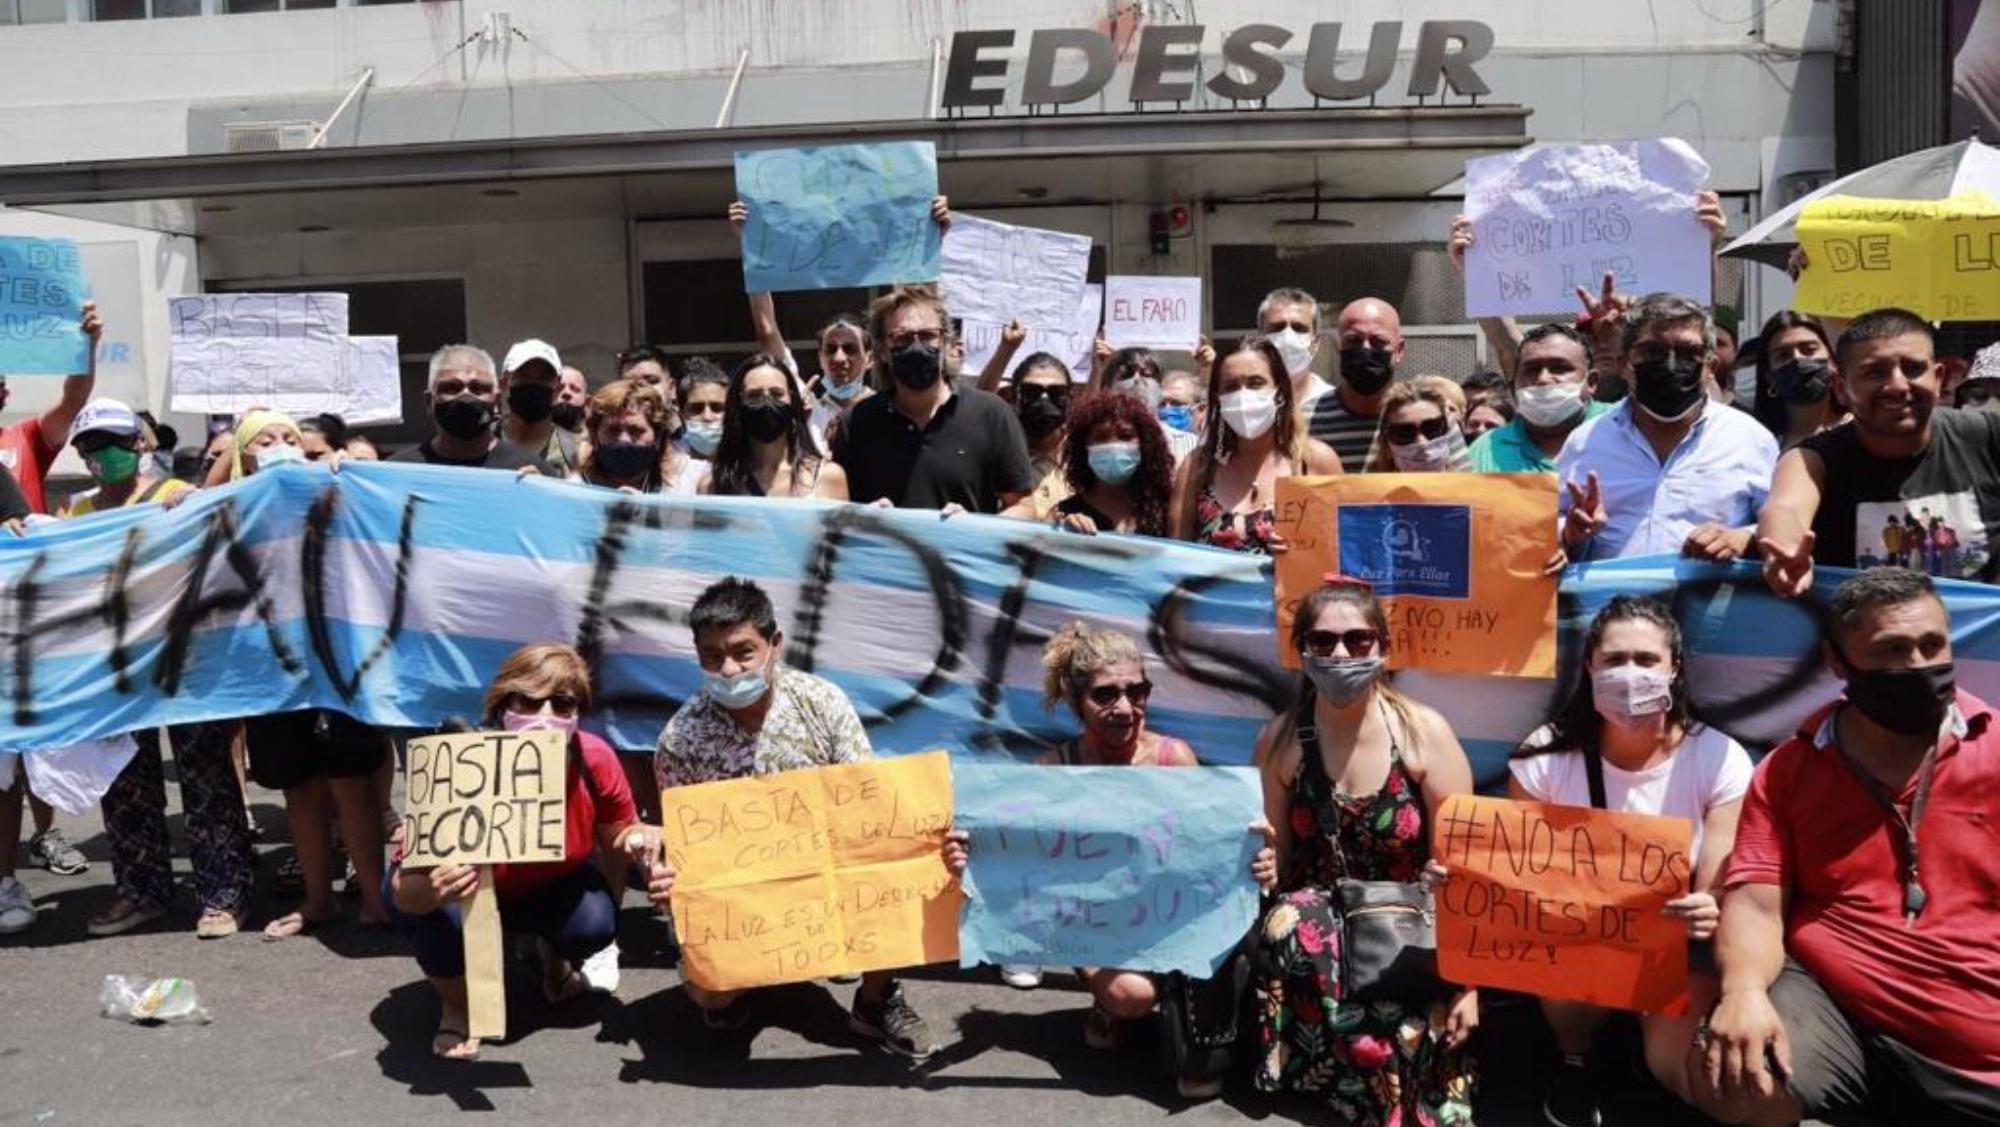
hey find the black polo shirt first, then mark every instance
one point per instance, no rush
(972, 452)
(500, 456)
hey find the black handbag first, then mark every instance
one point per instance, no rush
(1388, 929)
(1206, 1023)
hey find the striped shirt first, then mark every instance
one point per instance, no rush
(1350, 435)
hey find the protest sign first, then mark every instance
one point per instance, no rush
(1071, 343)
(374, 382)
(809, 874)
(477, 798)
(1141, 311)
(286, 352)
(1142, 868)
(841, 215)
(1457, 559)
(1563, 902)
(42, 289)
(1549, 219)
(996, 272)
(1939, 259)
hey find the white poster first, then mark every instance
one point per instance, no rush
(1550, 219)
(1141, 311)
(285, 352)
(1071, 344)
(996, 272)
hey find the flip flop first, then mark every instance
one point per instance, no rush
(452, 1043)
(294, 924)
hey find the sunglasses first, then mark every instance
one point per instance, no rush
(1029, 392)
(1403, 434)
(1325, 643)
(765, 398)
(93, 442)
(562, 704)
(1138, 692)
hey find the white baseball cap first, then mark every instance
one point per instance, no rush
(524, 351)
(107, 415)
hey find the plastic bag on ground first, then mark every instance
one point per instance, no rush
(151, 1001)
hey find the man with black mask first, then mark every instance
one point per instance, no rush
(1369, 335)
(463, 397)
(1668, 469)
(1859, 972)
(928, 445)
(571, 396)
(530, 384)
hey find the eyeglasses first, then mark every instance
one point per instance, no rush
(1138, 692)
(453, 388)
(1029, 392)
(562, 704)
(92, 442)
(1403, 434)
(931, 338)
(1654, 350)
(1325, 643)
(1279, 325)
(764, 398)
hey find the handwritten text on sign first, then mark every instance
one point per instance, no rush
(232, 352)
(478, 798)
(1457, 559)
(996, 272)
(843, 215)
(1550, 219)
(41, 305)
(806, 874)
(1937, 258)
(1563, 902)
(1144, 868)
(1071, 343)
(1141, 311)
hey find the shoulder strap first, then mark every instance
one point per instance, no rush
(152, 492)
(1593, 766)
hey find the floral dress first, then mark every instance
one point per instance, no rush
(1239, 532)
(1379, 1063)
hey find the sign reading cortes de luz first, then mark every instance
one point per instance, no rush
(1167, 57)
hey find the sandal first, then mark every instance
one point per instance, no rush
(566, 988)
(293, 924)
(451, 1042)
(122, 916)
(218, 923)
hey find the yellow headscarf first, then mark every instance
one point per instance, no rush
(248, 428)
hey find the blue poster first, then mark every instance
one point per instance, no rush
(42, 289)
(1140, 868)
(1409, 548)
(842, 215)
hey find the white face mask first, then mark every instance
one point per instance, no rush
(1297, 349)
(1630, 692)
(1433, 455)
(1549, 405)
(1250, 412)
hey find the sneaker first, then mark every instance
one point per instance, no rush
(1571, 1100)
(730, 1017)
(17, 909)
(54, 852)
(893, 1024)
(121, 917)
(1195, 1091)
(1020, 977)
(600, 971)
(1103, 1032)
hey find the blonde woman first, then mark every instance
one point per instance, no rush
(1421, 428)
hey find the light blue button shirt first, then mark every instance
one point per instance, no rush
(1720, 472)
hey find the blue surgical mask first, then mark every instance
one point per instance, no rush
(1179, 416)
(703, 436)
(740, 691)
(1114, 463)
(278, 455)
(842, 392)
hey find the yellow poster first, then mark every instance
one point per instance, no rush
(1457, 559)
(809, 874)
(1939, 259)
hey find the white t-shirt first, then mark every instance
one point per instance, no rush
(1708, 770)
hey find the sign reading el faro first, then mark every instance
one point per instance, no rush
(1168, 55)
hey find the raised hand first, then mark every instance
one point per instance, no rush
(1708, 210)
(941, 212)
(1788, 570)
(739, 214)
(1586, 517)
(1461, 240)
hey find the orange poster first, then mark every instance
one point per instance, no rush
(1563, 902)
(810, 874)
(1456, 557)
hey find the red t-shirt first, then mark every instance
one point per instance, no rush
(581, 816)
(1809, 826)
(23, 451)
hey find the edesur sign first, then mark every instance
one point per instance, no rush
(1167, 55)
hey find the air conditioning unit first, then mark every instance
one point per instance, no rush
(267, 136)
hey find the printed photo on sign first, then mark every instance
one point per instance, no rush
(1408, 549)
(1940, 535)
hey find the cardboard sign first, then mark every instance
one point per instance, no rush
(285, 352)
(1141, 311)
(1072, 342)
(1939, 259)
(1563, 902)
(842, 215)
(476, 798)
(1456, 558)
(42, 289)
(807, 874)
(995, 272)
(1549, 219)
(1142, 868)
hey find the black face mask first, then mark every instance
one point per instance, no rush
(568, 416)
(1801, 383)
(767, 422)
(627, 461)
(531, 402)
(1041, 418)
(464, 416)
(1909, 702)
(1669, 388)
(1366, 368)
(917, 366)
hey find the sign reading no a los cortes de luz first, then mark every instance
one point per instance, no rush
(1456, 558)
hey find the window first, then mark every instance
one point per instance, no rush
(423, 316)
(1417, 278)
(143, 9)
(33, 11)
